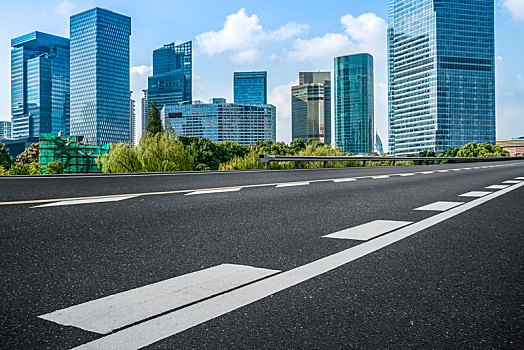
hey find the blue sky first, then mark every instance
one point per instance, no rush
(282, 37)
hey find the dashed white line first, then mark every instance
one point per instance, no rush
(439, 206)
(443, 171)
(214, 191)
(292, 184)
(84, 201)
(407, 174)
(106, 314)
(519, 178)
(426, 172)
(349, 179)
(380, 177)
(369, 230)
(475, 194)
(512, 182)
(496, 187)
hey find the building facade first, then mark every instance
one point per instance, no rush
(39, 85)
(171, 81)
(250, 87)
(241, 123)
(5, 129)
(132, 120)
(311, 107)
(100, 76)
(441, 71)
(354, 113)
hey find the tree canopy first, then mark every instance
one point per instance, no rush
(154, 124)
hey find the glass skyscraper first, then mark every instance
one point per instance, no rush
(250, 87)
(354, 116)
(172, 75)
(39, 84)
(220, 121)
(311, 107)
(5, 129)
(441, 67)
(100, 76)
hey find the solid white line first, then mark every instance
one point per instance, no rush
(369, 230)
(292, 184)
(380, 177)
(496, 187)
(214, 191)
(149, 332)
(106, 314)
(406, 174)
(475, 194)
(84, 201)
(345, 180)
(512, 182)
(440, 206)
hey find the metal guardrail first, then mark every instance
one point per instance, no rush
(268, 158)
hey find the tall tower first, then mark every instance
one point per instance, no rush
(441, 68)
(354, 113)
(100, 76)
(171, 81)
(39, 84)
(311, 107)
(250, 87)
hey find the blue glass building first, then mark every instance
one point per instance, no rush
(100, 76)
(250, 87)
(39, 85)
(441, 68)
(354, 113)
(5, 129)
(172, 74)
(221, 121)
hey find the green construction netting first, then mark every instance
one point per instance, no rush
(77, 158)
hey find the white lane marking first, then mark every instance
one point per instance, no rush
(106, 314)
(292, 184)
(443, 171)
(519, 178)
(466, 168)
(426, 172)
(512, 182)
(456, 169)
(214, 191)
(439, 206)
(407, 174)
(381, 177)
(496, 187)
(345, 180)
(475, 194)
(84, 201)
(369, 230)
(154, 330)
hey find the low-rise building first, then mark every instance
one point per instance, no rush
(242, 123)
(515, 147)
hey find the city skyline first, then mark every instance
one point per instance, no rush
(282, 45)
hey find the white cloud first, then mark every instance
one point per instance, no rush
(280, 97)
(515, 7)
(246, 56)
(365, 33)
(142, 70)
(65, 8)
(242, 34)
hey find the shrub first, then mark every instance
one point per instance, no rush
(55, 167)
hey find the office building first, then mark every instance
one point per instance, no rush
(354, 116)
(515, 147)
(250, 87)
(441, 68)
(220, 121)
(145, 112)
(379, 147)
(100, 76)
(39, 85)
(171, 81)
(132, 118)
(5, 129)
(311, 107)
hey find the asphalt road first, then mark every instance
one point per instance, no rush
(445, 279)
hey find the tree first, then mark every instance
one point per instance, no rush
(30, 154)
(5, 159)
(55, 167)
(154, 124)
